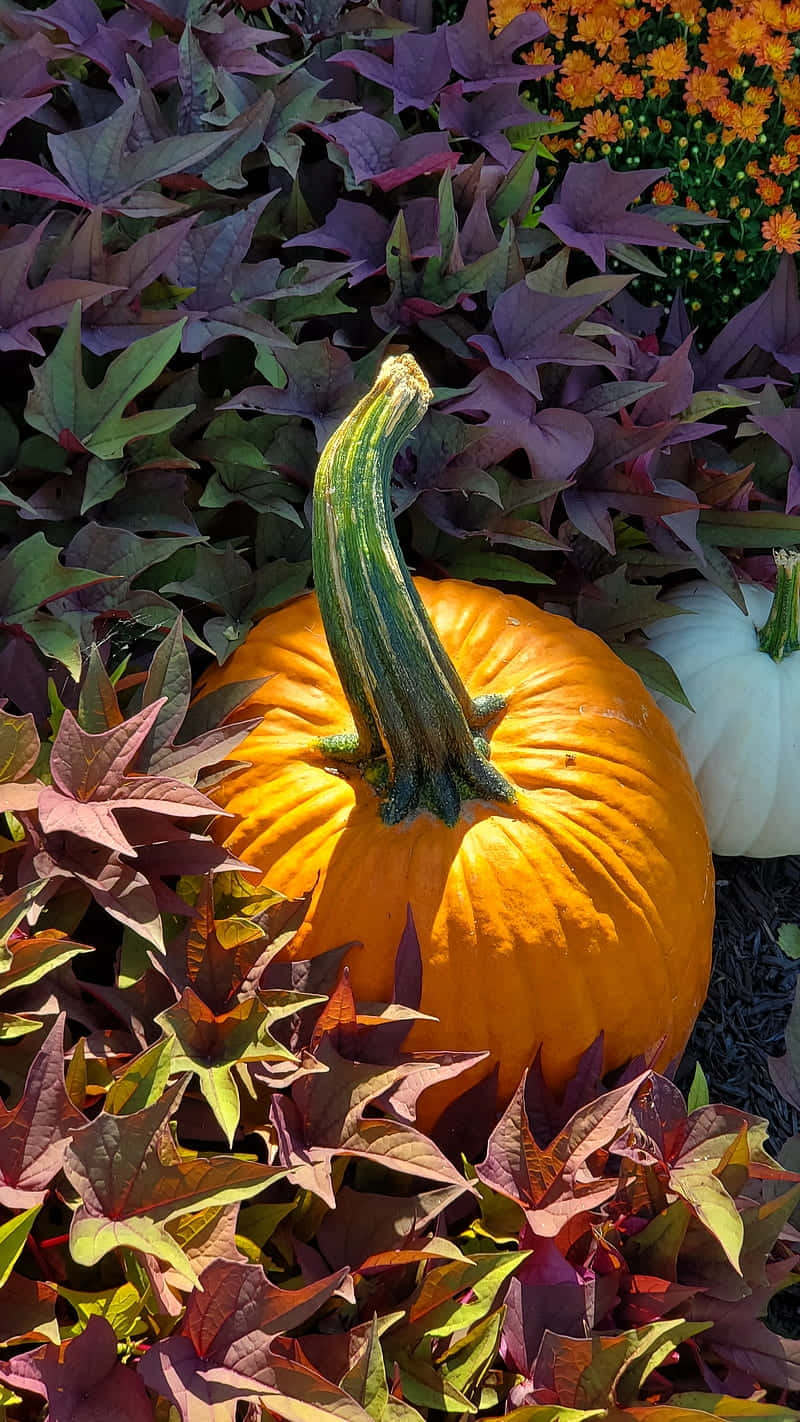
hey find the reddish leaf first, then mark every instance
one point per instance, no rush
(34, 1135)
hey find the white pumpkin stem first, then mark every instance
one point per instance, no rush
(780, 635)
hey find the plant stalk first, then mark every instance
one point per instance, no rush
(780, 635)
(416, 726)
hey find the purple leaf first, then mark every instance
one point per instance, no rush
(592, 211)
(22, 307)
(419, 70)
(100, 170)
(12, 110)
(378, 154)
(356, 229)
(92, 783)
(770, 323)
(122, 320)
(485, 118)
(320, 386)
(83, 1379)
(34, 1135)
(556, 441)
(675, 376)
(530, 332)
(23, 67)
(482, 59)
(210, 259)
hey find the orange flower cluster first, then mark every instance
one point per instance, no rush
(709, 91)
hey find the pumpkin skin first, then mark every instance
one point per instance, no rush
(743, 737)
(586, 905)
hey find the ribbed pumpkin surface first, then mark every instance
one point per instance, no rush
(585, 906)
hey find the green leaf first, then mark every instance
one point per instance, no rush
(12, 1026)
(366, 1380)
(31, 574)
(789, 940)
(549, 1414)
(493, 568)
(698, 1094)
(655, 671)
(103, 480)
(713, 1206)
(212, 1045)
(515, 190)
(707, 402)
(13, 1235)
(121, 1307)
(56, 640)
(63, 406)
(143, 1081)
(632, 257)
(465, 1364)
(19, 746)
(733, 1409)
(726, 528)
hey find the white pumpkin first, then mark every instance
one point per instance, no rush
(742, 739)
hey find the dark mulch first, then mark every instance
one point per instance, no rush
(749, 1000)
(751, 992)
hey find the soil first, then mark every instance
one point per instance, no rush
(752, 990)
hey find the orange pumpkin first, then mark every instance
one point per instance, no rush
(542, 823)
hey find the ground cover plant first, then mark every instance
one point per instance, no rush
(215, 1203)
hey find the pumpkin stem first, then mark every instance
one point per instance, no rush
(780, 635)
(415, 724)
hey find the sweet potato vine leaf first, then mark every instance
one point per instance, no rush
(217, 1045)
(132, 1178)
(92, 784)
(81, 1379)
(328, 1120)
(100, 170)
(92, 421)
(31, 576)
(591, 211)
(22, 307)
(35, 1133)
(222, 1350)
(604, 1370)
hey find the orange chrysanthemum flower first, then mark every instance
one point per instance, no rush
(669, 61)
(792, 144)
(627, 86)
(703, 88)
(745, 33)
(539, 54)
(606, 75)
(781, 164)
(692, 204)
(769, 191)
(760, 98)
(791, 18)
(781, 232)
(601, 125)
(769, 12)
(753, 170)
(598, 29)
(746, 123)
(776, 51)
(664, 194)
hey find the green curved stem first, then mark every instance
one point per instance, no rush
(780, 635)
(416, 726)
